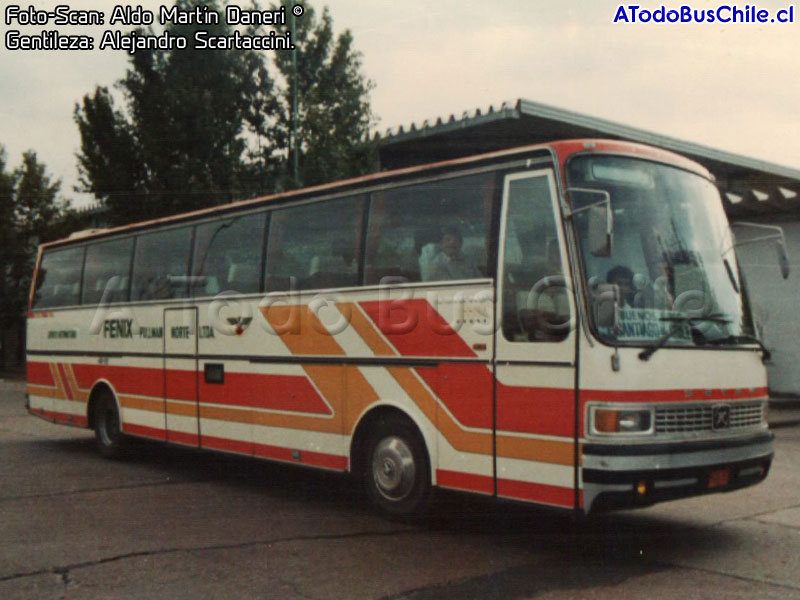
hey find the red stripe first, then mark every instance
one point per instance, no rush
(181, 385)
(317, 459)
(535, 492)
(547, 411)
(415, 328)
(275, 392)
(216, 443)
(59, 417)
(39, 374)
(465, 389)
(144, 431)
(141, 381)
(180, 437)
(672, 395)
(465, 481)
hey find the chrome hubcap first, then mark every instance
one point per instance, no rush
(393, 468)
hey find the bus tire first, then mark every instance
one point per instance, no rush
(108, 434)
(396, 470)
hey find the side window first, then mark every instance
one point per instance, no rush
(432, 231)
(161, 265)
(107, 273)
(227, 255)
(534, 294)
(59, 280)
(315, 245)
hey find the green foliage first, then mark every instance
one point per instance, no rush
(200, 127)
(31, 213)
(178, 144)
(333, 113)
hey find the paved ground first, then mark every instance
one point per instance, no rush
(171, 523)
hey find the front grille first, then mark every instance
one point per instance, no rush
(699, 417)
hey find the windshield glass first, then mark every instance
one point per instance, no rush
(671, 270)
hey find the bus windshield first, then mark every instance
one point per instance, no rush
(671, 276)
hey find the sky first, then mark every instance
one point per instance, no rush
(735, 87)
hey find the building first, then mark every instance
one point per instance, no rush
(753, 191)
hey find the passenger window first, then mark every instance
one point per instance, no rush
(227, 255)
(59, 279)
(108, 270)
(161, 265)
(315, 246)
(432, 231)
(534, 294)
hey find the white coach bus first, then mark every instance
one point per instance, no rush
(564, 324)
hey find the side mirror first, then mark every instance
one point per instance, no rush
(601, 229)
(777, 235)
(783, 257)
(600, 216)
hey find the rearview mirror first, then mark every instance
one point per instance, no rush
(600, 216)
(601, 227)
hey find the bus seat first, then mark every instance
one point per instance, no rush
(243, 277)
(426, 255)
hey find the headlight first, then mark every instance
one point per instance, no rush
(605, 421)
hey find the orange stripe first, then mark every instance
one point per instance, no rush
(344, 387)
(46, 392)
(366, 330)
(301, 330)
(549, 451)
(147, 404)
(507, 447)
(54, 371)
(480, 443)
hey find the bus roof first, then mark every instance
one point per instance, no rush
(560, 149)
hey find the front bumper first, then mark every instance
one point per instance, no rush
(623, 476)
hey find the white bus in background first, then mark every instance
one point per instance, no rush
(563, 324)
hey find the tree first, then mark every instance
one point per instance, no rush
(202, 127)
(178, 144)
(7, 238)
(334, 118)
(32, 212)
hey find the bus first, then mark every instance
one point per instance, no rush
(563, 324)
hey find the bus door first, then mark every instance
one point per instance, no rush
(535, 351)
(180, 376)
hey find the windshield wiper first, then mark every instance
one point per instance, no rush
(650, 350)
(731, 277)
(743, 339)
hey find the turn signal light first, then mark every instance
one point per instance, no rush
(607, 421)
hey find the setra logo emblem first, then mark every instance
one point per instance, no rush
(721, 417)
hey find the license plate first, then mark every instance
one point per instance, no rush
(718, 478)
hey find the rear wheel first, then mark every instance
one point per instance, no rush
(396, 470)
(107, 426)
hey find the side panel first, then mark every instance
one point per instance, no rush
(180, 376)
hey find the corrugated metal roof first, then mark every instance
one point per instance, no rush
(525, 122)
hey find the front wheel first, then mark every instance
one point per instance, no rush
(397, 475)
(108, 434)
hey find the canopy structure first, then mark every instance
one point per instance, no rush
(750, 187)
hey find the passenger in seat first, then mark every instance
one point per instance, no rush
(450, 263)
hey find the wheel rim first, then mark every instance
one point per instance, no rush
(393, 468)
(109, 426)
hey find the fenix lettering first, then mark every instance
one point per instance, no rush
(118, 328)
